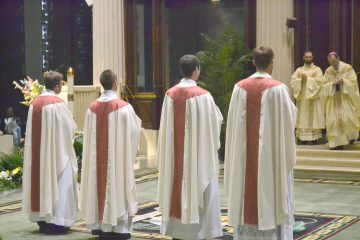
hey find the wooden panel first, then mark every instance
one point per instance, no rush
(340, 28)
(318, 31)
(130, 54)
(144, 108)
(356, 36)
(158, 59)
(311, 33)
(334, 25)
(148, 104)
(301, 35)
(250, 23)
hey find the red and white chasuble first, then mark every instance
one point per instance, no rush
(111, 138)
(50, 191)
(188, 163)
(260, 154)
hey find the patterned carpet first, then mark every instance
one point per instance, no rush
(14, 206)
(308, 226)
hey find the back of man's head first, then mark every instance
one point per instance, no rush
(188, 64)
(52, 79)
(262, 57)
(107, 79)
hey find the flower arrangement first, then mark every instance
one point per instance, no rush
(30, 88)
(11, 170)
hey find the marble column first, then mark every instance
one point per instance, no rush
(108, 38)
(271, 31)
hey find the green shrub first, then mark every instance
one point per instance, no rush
(224, 62)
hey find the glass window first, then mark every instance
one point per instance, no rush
(143, 38)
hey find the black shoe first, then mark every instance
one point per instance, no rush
(121, 236)
(337, 148)
(53, 229)
(105, 236)
(96, 232)
(300, 143)
(114, 236)
(42, 226)
(352, 141)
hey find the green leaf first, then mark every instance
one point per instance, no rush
(224, 62)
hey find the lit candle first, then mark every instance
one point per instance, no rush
(70, 81)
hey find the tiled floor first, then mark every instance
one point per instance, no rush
(311, 197)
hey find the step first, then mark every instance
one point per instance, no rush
(326, 172)
(327, 161)
(327, 169)
(328, 153)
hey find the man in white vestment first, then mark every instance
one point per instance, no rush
(187, 158)
(342, 102)
(50, 190)
(111, 139)
(260, 155)
(306, 83)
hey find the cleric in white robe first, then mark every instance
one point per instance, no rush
(111, 138)
(260, 155)
(50, 190)
(187, 158)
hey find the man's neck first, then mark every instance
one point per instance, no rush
(308, 65)
(264, 72)
(50, 91)
(191, 78)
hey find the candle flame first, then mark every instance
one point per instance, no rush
(70, 71)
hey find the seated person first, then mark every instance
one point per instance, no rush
(12, 127)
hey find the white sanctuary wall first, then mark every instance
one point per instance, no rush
(108, 38)
(271, 31)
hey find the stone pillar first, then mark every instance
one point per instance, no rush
(271, 31)
(108, 38)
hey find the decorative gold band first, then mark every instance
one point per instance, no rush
(141, 96)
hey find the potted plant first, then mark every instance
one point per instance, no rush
(224, 62)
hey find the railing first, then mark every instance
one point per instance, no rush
(83, 96)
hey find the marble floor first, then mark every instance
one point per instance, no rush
(309, 197)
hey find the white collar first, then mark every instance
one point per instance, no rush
(185, 82)
(48, 92)
(108, 95)
(261, 75)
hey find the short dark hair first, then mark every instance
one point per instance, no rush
(10, 112)
(52, 79)
(107, 79)
(262, 57)
(188, 64)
